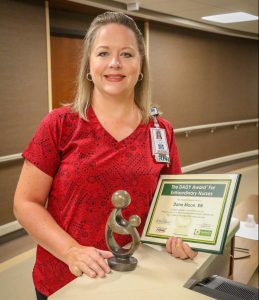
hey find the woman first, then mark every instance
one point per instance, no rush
(80, 155)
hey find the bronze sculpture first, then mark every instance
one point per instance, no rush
(116, 223)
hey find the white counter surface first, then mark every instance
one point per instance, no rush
(158, 276)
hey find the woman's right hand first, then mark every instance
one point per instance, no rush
(88, 260)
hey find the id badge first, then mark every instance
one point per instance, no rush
(160, 148)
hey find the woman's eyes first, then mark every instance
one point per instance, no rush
(103, 54)
(124, 54)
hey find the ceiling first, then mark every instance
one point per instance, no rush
(195, 9)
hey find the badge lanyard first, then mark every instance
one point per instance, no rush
(159, 143)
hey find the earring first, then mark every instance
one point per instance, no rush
(89, 77)
(141, 76)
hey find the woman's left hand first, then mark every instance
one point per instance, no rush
(177, 248)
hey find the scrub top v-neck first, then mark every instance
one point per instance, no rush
(125, 141)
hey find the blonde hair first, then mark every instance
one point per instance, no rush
(85, 87)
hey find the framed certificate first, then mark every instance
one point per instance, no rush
(194, 207)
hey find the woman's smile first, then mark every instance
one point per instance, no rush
(114, 77)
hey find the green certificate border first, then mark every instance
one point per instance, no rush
(226, 182)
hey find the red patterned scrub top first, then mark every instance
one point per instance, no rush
(88, 165)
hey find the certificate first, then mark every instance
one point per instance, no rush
(195, 207)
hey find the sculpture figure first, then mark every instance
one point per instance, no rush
(116, 223)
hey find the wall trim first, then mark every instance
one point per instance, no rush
(10, 157)
(220, 160)
(15, 225)
(10, 227)
(212, 127)
(48, 55)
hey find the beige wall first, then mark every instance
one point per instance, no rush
(204, 145)
(24, 90)
(9, 174)
(23, 75)
(201, 78)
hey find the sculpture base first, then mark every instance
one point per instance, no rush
(122, 265)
